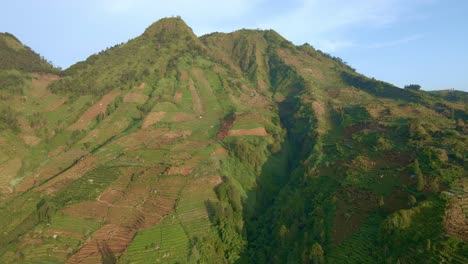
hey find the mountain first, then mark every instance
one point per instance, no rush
(227, 148)
(15, 55)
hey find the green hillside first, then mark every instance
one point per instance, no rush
(16, 56)
(227, 148)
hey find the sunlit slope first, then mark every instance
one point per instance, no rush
(238, 147)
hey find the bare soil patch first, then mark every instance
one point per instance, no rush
(100, 107)
(8, 171)
(226, 125)
(184, 170)
(108, 240)
(135, 98)
(182, 117)
(56, 151)
(88, 209)
(350, 130)
(152, 118)
(456, 222)
(177, 97)
(39, 84)
(31, 140)
(220, 151)
(197, 105)
(259, 131)
(69, 176)
(141, 86)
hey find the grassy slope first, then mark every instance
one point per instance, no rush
(338, 144)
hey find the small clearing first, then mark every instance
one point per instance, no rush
(39, 84)
(259, 131)
(31, 140)
(135, 98)
(152, 118)
(8, 171)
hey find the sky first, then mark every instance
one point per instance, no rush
(399, 41)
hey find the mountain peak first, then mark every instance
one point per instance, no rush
(169, 24)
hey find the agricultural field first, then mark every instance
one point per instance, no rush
(226, 148)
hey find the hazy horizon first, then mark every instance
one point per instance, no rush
(390, 40)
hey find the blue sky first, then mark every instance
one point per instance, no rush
(399, 41)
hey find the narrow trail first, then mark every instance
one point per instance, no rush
(197, 105)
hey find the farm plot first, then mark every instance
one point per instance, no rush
(109, 240)
(191, 208)
(8, 171)
(100, 107)
(165, 242)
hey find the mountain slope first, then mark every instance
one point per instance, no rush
(228, 148)
(15, 55)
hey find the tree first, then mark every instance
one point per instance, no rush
(414, 87)
(381, 201)
(411, 200)
(460, 125)
(419, 176)
(316, 254)
(435, 186)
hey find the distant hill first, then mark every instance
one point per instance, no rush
(226, 148)
(15, 55)
(451, 95)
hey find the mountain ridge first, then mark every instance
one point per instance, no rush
(228, 148)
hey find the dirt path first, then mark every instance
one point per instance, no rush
(197, 105)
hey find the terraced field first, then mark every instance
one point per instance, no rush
(227, 148)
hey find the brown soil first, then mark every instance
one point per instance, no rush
(177, 97)
(141, 86)
(182, 117)
(108, 240)
(39, 84)
(135, 98)
(226, 125)
(319, 109)
(197, 105)
(100, 107)
(220, 151)
(88, 209)
(31, 140)
(56, 151)
(184, 170)
(456, 222)
(375, 126)
(259, 131)
(152, 118)
(69, 176)
(8, 171)
(184, 75)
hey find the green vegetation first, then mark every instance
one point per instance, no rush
(15, 55)
(155, 150)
